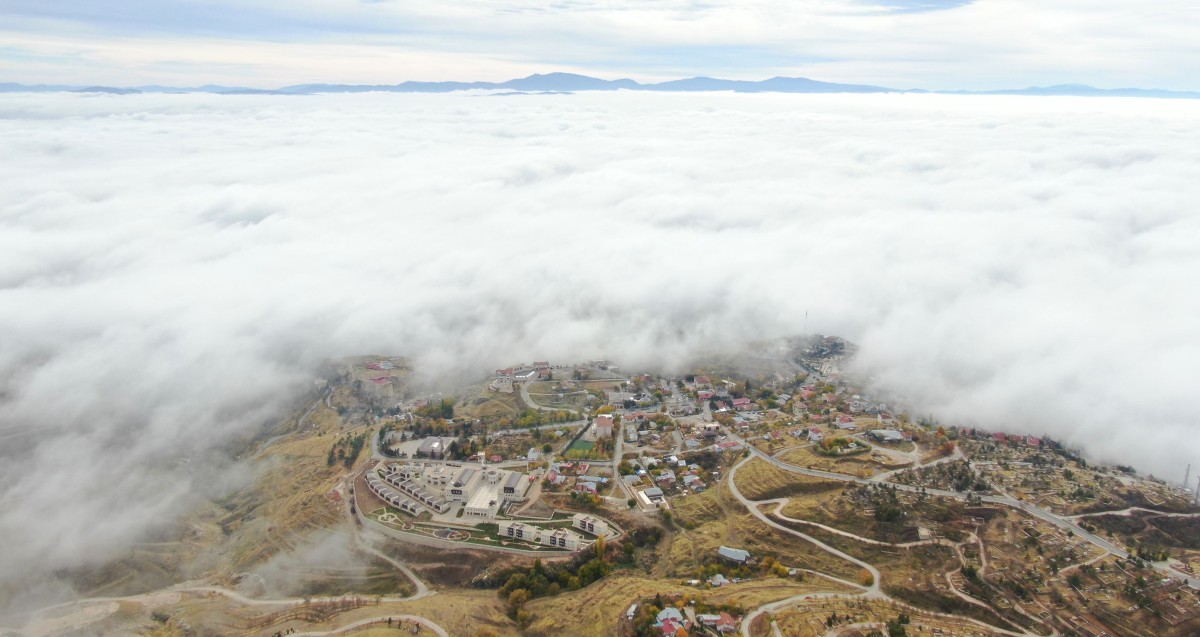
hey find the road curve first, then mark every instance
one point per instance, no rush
(437, 630)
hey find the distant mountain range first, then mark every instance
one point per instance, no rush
(559, 83)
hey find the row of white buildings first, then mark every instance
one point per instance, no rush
(481, 489)
(558, 538)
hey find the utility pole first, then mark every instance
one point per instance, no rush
(1196, 500)
(1187, 476)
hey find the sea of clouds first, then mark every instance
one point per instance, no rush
(173, 267)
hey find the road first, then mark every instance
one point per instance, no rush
(752, 506)
(156, 598)
(532, 405)
(618, 450)
(437, 630)
(1002, 500)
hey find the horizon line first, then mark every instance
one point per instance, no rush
(599, 83)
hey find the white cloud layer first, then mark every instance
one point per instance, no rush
(172, 267)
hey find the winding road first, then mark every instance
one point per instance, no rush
(1002, 500)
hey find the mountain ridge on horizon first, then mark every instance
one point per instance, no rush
(561, 82)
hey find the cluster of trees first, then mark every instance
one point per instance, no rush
(957, 475)
(895, 627)
(1151, 552)
(540, 580)
(536, 417)
(588, 501)
(443, 409)
(885, 500)
(346, 449)
(836, 446)
(766, 567)
(460, 450)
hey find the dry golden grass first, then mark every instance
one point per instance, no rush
(760, 480)
(806, 619)
(755, 593)
(861, 465)
(699, 508)
(460, 612)
(489, 404)
(291, 496)
(718, 519)
(601, 607)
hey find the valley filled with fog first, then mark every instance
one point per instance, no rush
(173, 268)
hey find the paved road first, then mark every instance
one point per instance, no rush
(532, 405)
(752, 506)
(1002, 500)
(437, 630)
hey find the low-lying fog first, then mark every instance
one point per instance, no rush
(173, 267)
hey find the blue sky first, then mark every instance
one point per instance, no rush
(901, 43)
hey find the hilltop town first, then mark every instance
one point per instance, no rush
(771, 493)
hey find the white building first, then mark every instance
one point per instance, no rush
(590, 524)
(558, 538)
(604, 426)
(562, 538)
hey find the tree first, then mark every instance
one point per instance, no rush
(546, 448)
(631, 503)
(516, 600)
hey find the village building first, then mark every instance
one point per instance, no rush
(603, 426)
(589, 523)
(734, 555)
(434, 447)
(558, 538)
(890, 436)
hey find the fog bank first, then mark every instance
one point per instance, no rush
(173, 267)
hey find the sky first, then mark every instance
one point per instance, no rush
(175, 267)
(932, 44)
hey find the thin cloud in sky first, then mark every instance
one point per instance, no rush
(904, 43)
(175, 266)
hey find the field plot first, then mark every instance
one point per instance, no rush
(813, 619)
(601, 607)
(879, 513)
(863, 464)
(714, 519)
(760, 480)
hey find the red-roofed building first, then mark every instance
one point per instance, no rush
(604, 426)
(1033, 441)
(670, 627)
